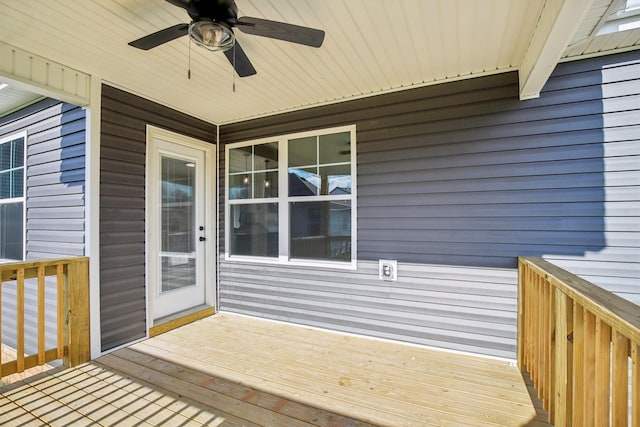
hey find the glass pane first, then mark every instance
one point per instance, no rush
(5, 156)
(321, 230)
(178, 223)
(265, 156)
(240, 159)
(254, 230)
(17, 185)
(18, 153)
(5, 185)
(335, 180)
(303, 181)
(11, 228)
(177, 272)
(240, 186)
(266, 185)
(303, 151)
(335, 148)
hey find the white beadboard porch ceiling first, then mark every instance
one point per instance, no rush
(371, 47)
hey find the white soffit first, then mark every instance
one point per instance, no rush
(371, 47)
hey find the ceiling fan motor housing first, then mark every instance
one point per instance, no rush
(212, 35)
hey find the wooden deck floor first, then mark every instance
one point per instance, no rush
(231, 370)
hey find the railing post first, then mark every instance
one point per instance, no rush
(521, 313)
(563, 358)
(77, 314)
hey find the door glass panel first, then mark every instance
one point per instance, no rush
(178, 257)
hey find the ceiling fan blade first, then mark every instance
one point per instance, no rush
(180, 3)
(240, 61)
(160, 37)
(281, 31)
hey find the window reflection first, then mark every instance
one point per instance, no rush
(321, 230)
(254, 229)
(324, 180)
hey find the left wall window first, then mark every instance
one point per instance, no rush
(12, 200)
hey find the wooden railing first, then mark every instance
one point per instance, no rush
(580, 345)
(70, 277)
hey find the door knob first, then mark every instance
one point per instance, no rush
(202, 238)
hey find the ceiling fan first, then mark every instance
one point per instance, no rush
(212, 23)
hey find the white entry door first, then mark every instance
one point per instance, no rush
(180, 225)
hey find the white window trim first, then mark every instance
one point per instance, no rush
(22, 199)
(284, 199)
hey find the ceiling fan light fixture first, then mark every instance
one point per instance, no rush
(212, 35)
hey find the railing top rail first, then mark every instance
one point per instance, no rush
(616, 311)
(43, 262)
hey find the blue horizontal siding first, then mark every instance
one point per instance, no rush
(454, 182)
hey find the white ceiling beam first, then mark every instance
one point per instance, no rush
(558, 22)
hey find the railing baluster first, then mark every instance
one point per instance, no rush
(41, 317)
(620, 375)
(551, 327)
(602, 389)
(60, 309)
(578, 365)
(535, 338)
(544, 322)
(589, 367)
(20, 320)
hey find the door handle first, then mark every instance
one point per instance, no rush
(202, 238)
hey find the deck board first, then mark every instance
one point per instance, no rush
(380, 382)
(232, 370)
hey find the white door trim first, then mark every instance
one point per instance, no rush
(210, 231)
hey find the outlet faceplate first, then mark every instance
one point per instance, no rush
(388, 270)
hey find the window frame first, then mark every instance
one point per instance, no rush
(23, 199)
(283, 200)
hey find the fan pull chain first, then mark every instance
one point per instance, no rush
(234, 68)
(189, 65)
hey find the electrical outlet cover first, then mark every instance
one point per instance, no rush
(388, 270)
